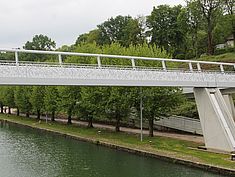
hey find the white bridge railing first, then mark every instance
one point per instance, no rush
(187, 73)
(133, 59)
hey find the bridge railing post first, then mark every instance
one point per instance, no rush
(60, 59)
(133, 63)
(99, 61)
(222, 68)
(164, 65)
(199, 67)
(16, 58)
(190, 67)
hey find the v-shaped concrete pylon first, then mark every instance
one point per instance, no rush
(216, 116)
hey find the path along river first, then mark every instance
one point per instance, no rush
(30, 153)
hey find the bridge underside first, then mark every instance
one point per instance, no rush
(110, 76)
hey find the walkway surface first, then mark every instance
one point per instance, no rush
(187, 137)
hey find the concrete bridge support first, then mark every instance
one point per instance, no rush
(216, 116)
(230, 104)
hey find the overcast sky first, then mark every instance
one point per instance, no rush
(63, 20)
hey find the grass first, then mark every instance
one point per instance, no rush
(159, 145)
(227, 57)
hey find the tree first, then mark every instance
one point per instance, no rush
(118, 104)
(37, 99)
(9, 98)
(190, 19)
(159, 102)
(230, 7)
(39, 42)
(22, 96)
(164, 29)
(91, 37)
(121, 29)
(223, 29)
(211, 11)
(51, 100)
(69, 99)
(91, 104)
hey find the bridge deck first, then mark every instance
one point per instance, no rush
(25, 73)
(39, 74)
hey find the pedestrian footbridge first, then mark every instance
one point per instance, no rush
(207, 78)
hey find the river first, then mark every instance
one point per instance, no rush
(30, 153)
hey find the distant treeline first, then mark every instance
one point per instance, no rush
(183, 31)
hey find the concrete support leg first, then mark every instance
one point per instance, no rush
(230, 104)
(216, 119)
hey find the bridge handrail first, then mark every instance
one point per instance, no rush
(132, 58)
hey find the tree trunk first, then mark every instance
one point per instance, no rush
(210, 39)
(18, 112)
(27, 114)
(150, 127)
(117, 127)
(196, 44)
(90, 122)
(9, 110)
(53, 116)
(69, 119)
(233, 27)
(2, 109)
(38, 114)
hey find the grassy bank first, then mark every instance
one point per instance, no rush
(158, 145)
(227, 57)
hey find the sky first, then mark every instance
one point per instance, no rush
(63, 20)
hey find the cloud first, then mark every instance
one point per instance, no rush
(63, 20)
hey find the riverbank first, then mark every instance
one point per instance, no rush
(177, 151)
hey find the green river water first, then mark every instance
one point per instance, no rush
(29, 153)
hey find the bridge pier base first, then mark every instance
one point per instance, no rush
(215, 112)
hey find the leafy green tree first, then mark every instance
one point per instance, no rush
(91, 37)
(39, 42)
(51, 99)
(190, 19)
(222, 30)
(230, 9)
(22, 97)
(211, 11)
(69, 99)
(9, 98)
(37, 99)
(91, 104)
(164, 29)
(159, 102)
(118, 104)
(122, 29)
(133, 33)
